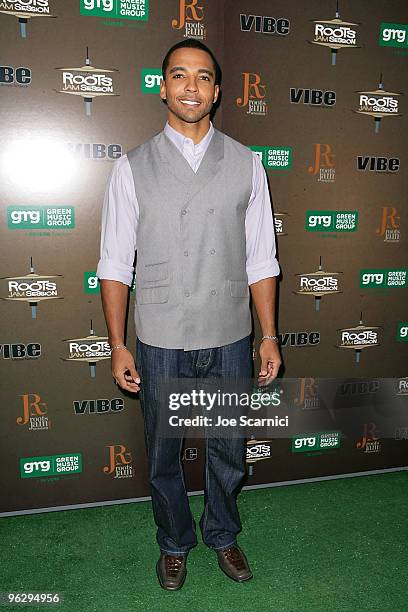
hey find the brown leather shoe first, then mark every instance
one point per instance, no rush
(171, 571)
(234, 564)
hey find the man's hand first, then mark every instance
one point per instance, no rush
(124, 370)
(270, 362)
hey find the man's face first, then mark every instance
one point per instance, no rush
(189, 85)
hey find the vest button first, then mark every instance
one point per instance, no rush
(183, 212)
(187, 293)
(213, 292)
(185, 253)
(212, 251)
(211, 211)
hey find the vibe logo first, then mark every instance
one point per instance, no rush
(98, 406)
(20, 76)
(331, 221)
(150, 79)
(50, 465)
(190, 19)
(394, 35)
(314, 97)
(19, 350)
(96, 151)
(116, 9)
(378, 164)
(264, 25)
(40, 217)
(253, 94)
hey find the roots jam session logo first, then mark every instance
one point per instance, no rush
(359, 337)
(335, 34)
(31, 288)
(318, 284)
(116, 9)
(25, 10)
(379, 104)
(89, 349)
(253, 94)
(190, 19)
(370, 441)
(88, 82)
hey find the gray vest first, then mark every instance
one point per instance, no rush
(191, 283)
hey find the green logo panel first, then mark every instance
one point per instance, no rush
(331, 220)
(307, 442)
(150, 80)
(50, 465)
(383, 278)
(275, 158)
(41, 217)
(92, 284)
(394, 35)
(402, 332)
(137, 10)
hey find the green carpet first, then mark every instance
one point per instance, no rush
(332, 545)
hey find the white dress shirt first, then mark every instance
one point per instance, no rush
(120, 216)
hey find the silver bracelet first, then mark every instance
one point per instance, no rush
(118, 346)
(270, 338)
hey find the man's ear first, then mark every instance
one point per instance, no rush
(216, 93)
(163, 93)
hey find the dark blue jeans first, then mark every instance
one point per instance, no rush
(225, 465)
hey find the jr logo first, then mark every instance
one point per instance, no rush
(252, 89)
(323, 158)
(188, 11)
(32, 406)
(117, 457)
(388, 220)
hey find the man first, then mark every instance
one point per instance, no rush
(194, 204)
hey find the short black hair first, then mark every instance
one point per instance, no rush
(192, 43)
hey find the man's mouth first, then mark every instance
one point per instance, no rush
(190, 102)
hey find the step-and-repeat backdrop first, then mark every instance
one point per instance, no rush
(319, 92)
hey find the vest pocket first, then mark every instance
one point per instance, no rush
(153, 295)
(155, 271)
(239, 288)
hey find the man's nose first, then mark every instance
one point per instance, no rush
(191, 84)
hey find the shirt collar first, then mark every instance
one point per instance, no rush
(182, 141)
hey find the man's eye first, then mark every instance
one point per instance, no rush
(206, 78)
(176, 76)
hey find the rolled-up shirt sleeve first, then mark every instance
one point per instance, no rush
(261, 259)
(120, 215)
